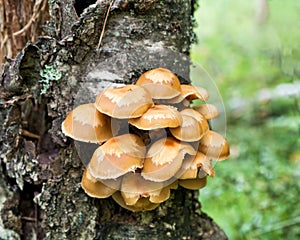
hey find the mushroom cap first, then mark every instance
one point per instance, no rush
(117, 156)
(209, 111)
(190, 93)
(86, 124)
(143, 204)
(193, 126)
(134, 186)
(164, 159)
(158, 116)
(161, 83)
(129, 101)
(98, 189)
(190, 165)
(193, 184)
(214, 146)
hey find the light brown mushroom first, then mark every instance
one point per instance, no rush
(143, 204)
(193, 184)
(164, 159)
(161, 83)
(193, 126)
(87, 124)
(214, 146)
(190, 93)
(209, 111)
(156, 117)
(134, 187)
(98, 189)
(117, 156)
(130, 101)
(193, 166)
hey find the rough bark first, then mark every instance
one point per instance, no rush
(41, 167)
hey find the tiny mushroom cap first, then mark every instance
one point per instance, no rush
(134, 186)
(143, 204)
(117, 156)
(214, 146)
(193, 126)
(161, 83)
(193, 184)
(209, 111)
(130, 101)
(190, 165)
(190, 93)
(164, 159)
(86, 124)
(158, 116)
(98, 189)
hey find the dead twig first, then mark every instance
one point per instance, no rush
(104, 24)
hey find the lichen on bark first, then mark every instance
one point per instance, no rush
(42, 167)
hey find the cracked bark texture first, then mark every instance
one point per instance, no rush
(41, 170)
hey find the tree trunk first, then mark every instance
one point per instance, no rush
(41, 168)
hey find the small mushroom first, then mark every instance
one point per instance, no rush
(193, 184)
(214, 146)
(161, 83)
(98, 189)
(158, 116)
(143, 204)
(134, 186)
(87, 124)
(117, 156)
(193, 126)
(130, 101)
(209, 111)
(190, 93)
(164, 159)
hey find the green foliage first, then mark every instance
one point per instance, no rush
(48, 74)
(255, 194)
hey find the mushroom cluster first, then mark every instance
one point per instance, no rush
(150, 140)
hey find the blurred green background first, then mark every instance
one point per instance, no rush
(252, 52)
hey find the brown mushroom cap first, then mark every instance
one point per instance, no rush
(193, 184)
(130, 101)
(190, 165)
(158, 116)
(161, 83)
(117, 156)
(193, 126)
(87, 124)
(214, 146)
(190, 93)
(97, 189)
(164, 159)
(209, 111)
(143, 204)
(134, 186)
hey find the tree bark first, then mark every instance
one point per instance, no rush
(41, 168)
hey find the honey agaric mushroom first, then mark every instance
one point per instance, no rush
(158, 116)
(193, 126)
(164, 159)
(87, 124)
(209, 111)
(117, 156)
(190, 93)
(98, 189)
(161, 83)
(190, 165)
(193, 184)
(130, 101)
(143, 204)
(134, 186)
(214, 146)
